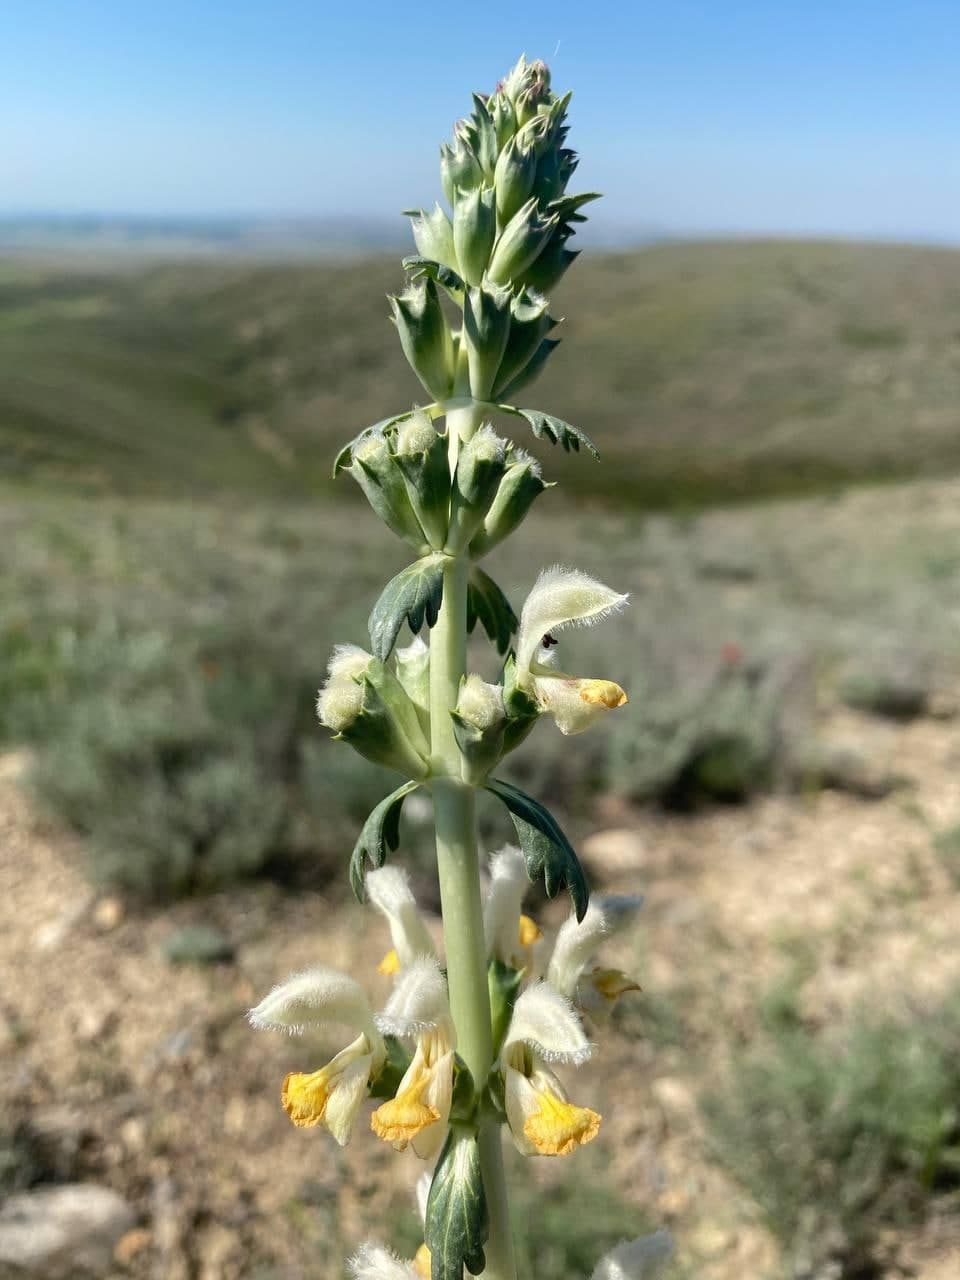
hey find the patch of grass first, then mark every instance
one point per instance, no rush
(842, 1137)
(947, 845)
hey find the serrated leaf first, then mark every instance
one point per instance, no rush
(546, 426)
(380, 833)
(487, 605)
(345, 455)
(456, 1224)
(414, 596)
(442, 275)
(546, 850)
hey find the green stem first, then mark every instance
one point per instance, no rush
(458, 868)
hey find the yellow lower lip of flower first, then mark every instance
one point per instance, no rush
(602, 693)
(403, 1117)
(556, 1128)
(529, 932)
(390, 964)
(612, 983)
(421, 1262)
(305, 1097)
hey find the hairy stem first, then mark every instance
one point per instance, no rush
(458, 867)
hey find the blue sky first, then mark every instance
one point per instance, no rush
(717, 115)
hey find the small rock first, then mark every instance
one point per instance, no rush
(107, 914)
(618, 850)
(94, 1024)
(63, 1232)
(198, 944)
(710, 1240)
(53, 934)
(133, 1243)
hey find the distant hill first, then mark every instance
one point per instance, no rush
(705, 372)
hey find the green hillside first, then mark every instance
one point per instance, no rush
(703, 371)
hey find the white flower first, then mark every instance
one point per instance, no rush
(544, 1029)
(576, 944)
(373, 1263)
(641, 1259)
(562, 598)
(389, 890)
(419, 1113)
(315, 1000)
(339, 701)
(511, 937)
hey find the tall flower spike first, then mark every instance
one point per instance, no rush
(544, 1029)
(315, 1000)
(419, 1112)
(563, 598)
(576, 945)
(389, 890)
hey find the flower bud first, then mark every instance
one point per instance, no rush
(524, 77)
(421, 455)
(364, 703)
(413, 672)
(425, 336)
(504, 119)
(486, 329)
(551, 264)
(433, 235)
(382, 483)
(520, 243)
(513, 178)
(478, 725)
(529, 326)
(483, 136)
(521, 485)
(474, 229)
(480, 467)
(459, 169)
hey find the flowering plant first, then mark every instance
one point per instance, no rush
(466, 1049)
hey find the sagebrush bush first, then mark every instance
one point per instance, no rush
(841, 1137)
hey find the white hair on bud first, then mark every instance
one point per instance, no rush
(372, 446)
(480, 703)
(416, 434)
(348, 661)
(487, 444)
(338, 704)
(520, 458)
(371, 1262)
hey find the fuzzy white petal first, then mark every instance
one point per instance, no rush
(641, 1259)
(373, 1263)
(575, 702)
(578, 941)
(562, 598)
(547, 1023)
(422, 1193)
(389, 891)
(347, 662)
(315, 998)
(347, 1098)
(501, 911)
(418, 1001)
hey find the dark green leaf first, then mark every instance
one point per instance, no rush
(456, 1223)
(345, 455)
(546, 850)
(385, 1084)
(413, 595)
(380, 832)
(487, 605)
(546, 426)
(446, 277)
